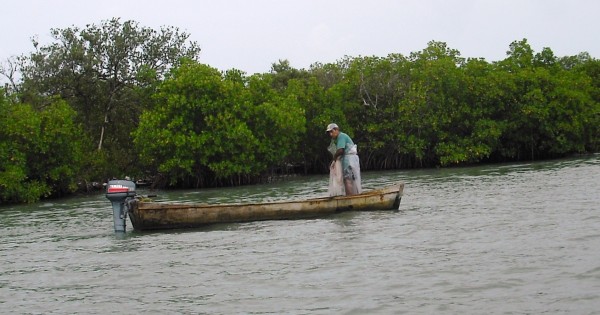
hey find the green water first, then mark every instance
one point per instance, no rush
(509, 238)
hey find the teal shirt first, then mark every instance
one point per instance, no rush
(343, 141)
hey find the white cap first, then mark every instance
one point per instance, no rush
(331, 127)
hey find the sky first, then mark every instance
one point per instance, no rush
(251, 35)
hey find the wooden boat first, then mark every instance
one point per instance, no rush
(154, 215)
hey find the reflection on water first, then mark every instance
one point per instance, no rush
(507, 238)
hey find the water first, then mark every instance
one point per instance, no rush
(510, 238)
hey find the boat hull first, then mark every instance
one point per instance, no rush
(154, 215)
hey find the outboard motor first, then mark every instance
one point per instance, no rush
(118, 192)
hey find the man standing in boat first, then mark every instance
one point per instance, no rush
(343, 148)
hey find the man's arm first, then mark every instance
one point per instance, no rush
(338, 153)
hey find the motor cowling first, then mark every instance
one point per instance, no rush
(118, 192)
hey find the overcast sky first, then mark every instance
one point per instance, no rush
(250, 35)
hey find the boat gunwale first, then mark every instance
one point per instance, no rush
(392, 189)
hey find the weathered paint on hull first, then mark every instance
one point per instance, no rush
(152, 215)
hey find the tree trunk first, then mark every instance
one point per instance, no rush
(102, 132)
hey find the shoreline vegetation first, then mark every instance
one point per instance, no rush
(118, 99)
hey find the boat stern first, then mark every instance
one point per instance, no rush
(119, 192)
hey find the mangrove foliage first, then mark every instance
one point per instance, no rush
(118, 99)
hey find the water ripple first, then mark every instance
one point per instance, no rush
(509, 238)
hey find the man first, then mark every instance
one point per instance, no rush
(342, 147)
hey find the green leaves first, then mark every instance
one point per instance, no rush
(207, 124)
(107, 72)
(40, 151)
(436, 108)
(197, 126)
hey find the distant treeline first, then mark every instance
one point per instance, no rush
(118, 99)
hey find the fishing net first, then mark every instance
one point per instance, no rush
(351, 171)
(336, 182)
(344, 174)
